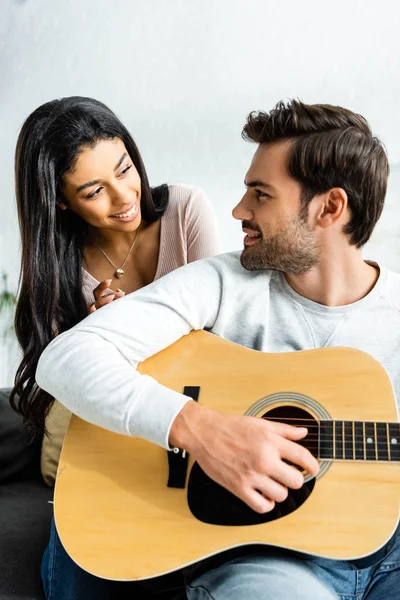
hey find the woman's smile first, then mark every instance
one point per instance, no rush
(128, 215)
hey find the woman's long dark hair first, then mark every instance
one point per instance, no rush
(50, 298)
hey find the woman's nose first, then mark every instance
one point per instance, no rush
(120, 195)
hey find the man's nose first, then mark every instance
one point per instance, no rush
(242, 212)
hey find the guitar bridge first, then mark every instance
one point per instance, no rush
(178, 459)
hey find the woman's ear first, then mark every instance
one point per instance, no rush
(62, 206)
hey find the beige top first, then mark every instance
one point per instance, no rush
(189, 231)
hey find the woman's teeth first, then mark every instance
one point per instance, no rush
(126, 214)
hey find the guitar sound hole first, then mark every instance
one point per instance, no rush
(211, 503)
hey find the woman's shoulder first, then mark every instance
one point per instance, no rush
(183, 193)
(183, 197)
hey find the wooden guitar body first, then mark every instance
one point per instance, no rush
(118, 520)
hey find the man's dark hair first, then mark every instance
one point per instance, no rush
(332, 147)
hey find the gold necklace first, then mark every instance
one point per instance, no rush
(119, 272)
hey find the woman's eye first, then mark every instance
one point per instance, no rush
(126, 169)
(95, 193)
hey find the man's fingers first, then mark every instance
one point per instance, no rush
(272, 490)
(291, 451)
(288, 431)
(257, 501)
(300, 456)
(288, 476)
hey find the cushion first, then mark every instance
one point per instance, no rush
(25, 516)
(57, 422)
(19, 457)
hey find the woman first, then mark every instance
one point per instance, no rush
(92, 230)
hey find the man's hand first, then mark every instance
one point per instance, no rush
(244, 454)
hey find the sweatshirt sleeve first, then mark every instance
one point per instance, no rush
(202, 231)
(91, 368)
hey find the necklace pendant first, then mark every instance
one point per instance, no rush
(119, 273)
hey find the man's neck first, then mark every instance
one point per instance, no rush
(337, 280)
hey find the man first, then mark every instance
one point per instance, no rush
(314, 192)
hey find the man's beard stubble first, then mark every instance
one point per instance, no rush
(293, 250)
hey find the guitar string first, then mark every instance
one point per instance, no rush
(327, 420)
(349, 437)
(353, 458)
(357, 439)
(317, 449)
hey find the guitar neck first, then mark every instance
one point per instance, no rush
(357, 440)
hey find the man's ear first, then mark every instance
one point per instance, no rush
(332, 207)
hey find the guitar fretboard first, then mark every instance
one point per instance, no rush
(359, 440)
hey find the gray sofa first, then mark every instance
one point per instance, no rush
(25, 509)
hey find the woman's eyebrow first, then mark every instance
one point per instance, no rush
(125, 154)
(86, 185)
(95, 181)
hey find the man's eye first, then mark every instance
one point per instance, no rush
(260, 194)
(95, 193)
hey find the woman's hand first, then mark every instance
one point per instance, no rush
(102, 297)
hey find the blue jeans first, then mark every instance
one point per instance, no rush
(252, 577)
(261, 577)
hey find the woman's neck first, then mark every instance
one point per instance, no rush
(115, 241)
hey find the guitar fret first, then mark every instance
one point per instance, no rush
(394, 441)
(338, 440)
(359, 440)
(381, 441)
(348, 440)
(364, 442)
(325, 440)
(343, 440)
(370, 449)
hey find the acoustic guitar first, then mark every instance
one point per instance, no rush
(126, 509)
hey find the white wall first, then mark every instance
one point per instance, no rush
(182, 75)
